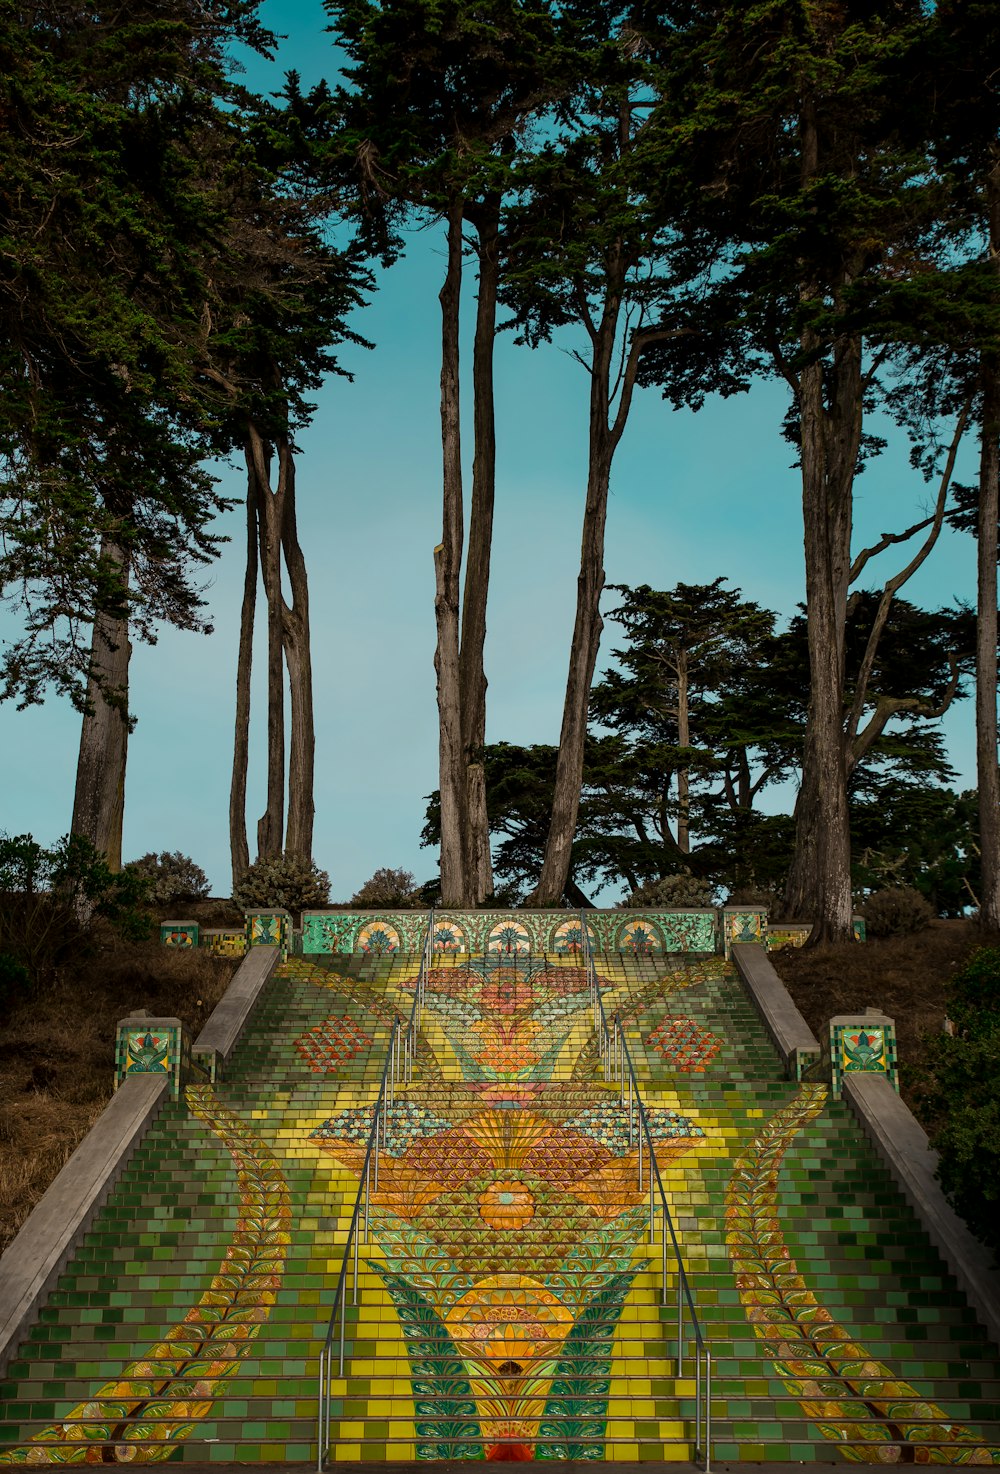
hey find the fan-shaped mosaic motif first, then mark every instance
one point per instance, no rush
(642, 938)
(450, 936)
(378, 939)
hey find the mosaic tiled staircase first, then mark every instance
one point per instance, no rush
(510, 1295)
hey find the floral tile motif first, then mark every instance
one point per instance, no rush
(378, 939)
(854, 1400)
(684, 1044)
(331, 1043)
(508, 1218)
(532, 932)
(449, 936)
(144, 1415)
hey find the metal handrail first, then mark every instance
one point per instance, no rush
(398, 1069)
(617, 1063)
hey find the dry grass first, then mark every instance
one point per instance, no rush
(905, 977)
(57, 1053)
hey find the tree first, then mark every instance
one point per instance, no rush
(809, 165)
(685, 647)
(965, 51)
(438, 96)
(919, 835)
(105, 502)
(589, 247)
(101, 429)
(278, 310)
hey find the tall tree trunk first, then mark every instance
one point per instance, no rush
(472, 674)
(99, 797)
(986, 628)
(986, 649)
(270, 826)
(586, 628)
(447, 566)
(298, 658)
(683, 740)
(819, 884)
(830, 408)
(239, 849)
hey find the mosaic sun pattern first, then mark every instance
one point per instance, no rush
(509, 1298)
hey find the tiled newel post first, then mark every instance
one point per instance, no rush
(743, 924)
(179, 933)
(151, 1046)
(269, 927)
(225, 941)
(862, 1043)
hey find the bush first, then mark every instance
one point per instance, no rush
(172, 877)
(14, 983)
(52, 897)
(388, 889)
(896, 912)
(672, 891)
(753, 898)
(290, 882)
(964, 1101)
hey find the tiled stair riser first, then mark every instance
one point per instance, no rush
(152, 1256)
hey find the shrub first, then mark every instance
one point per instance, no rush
(671, 891)
(52, 896)
(753, 898)
(290, 882)
(387, 889)
(964, 1100)
(14, 983)
(896, 912)
(172, 877)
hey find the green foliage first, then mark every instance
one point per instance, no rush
(52, 897)
(682, 889)
(896, 911)
(917, 834)
(290, 882)
(963, 1103)
(171, 876)
(389, 888)
(14, 983)
(108, 228)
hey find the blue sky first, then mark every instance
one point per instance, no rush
(694, 497)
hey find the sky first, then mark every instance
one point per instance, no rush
(693, 497)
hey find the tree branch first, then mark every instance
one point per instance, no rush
(639, 344)
(885, 541)
(896, 582)
(890, 706)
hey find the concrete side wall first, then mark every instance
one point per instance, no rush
(31, 1264)
(228, 1018)
(791, 1035)
(902, 1144)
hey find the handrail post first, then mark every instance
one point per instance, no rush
(652, 1203)
(320, 1450)
(708, 1410)
(697, 1401)
(680, 1320)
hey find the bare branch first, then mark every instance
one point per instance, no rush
(895, 583)
(890, 706)
(639, 344)
(885, 541)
